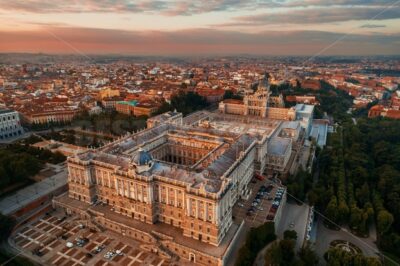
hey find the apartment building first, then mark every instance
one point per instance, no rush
(10, 125)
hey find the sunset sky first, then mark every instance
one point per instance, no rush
(175, 27)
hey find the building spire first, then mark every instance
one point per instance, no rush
(263, 83)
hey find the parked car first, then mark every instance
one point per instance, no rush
(98, 249)
(259, 177)
(109, 255)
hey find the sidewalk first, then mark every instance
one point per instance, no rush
(23, 197)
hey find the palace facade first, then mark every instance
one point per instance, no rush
(260, 103)
(174, 184)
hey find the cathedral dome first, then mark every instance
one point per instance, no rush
(142, 157)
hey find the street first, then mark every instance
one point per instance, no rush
(325, 236)
(293, 213)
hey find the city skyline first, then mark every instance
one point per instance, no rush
(353, 27)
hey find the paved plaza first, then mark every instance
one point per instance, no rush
(45, 240)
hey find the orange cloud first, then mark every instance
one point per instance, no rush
(192, 42)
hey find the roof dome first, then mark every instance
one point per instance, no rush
(142, 157)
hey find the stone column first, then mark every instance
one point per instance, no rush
(205, 211)
(89, 177)
(188, 207)
(116, 185)
(136, 192)
(150, 194)
(167, 195)
(216, 207)
(197, 209)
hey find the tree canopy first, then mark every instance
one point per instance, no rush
(359, 180)
(19, 162)
(184, 102)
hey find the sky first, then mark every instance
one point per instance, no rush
(201, 27)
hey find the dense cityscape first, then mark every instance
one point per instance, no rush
(218, 149)
(217, 133)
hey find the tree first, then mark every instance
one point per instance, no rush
(390, 242)
(363, 194)
(312, 197)
(299, 185)
(273, 255)
(307, 256)
(257, 238)
(331, 209)
(165, 107)
(290, 234)
(19, 162)
(384, 221)
(230, 95)
(381, 151)
(342, 212)
(188, 102)
(337, 256)
(355, 217)
(287, 248)
(281, 253)
(6, 226)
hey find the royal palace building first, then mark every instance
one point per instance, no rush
(260, 103)
(174, 184)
